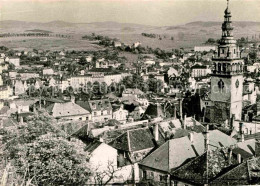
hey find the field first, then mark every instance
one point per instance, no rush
(185, 36)
(48, 43)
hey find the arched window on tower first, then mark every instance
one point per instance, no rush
(219, 67)
(224, 67)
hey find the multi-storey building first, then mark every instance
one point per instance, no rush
(227, 77)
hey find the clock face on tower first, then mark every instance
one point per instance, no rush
(237, 83)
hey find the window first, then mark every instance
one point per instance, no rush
(144, 174)
(95, 113)
(234, 51)
(152, 174)
(101, 112)
(223, 51)
(161, 178)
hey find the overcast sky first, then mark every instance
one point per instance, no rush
(149, 12)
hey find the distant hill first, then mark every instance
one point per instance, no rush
(38, 31)
(214, 23)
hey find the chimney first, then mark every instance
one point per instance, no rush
(101, 139)
(242, 137)
(72, 99)
(226, 123)
(175, 117)
(184, 122)
(241, 128)
(230, 156)
(181, 108)
(21, 119)
(191, 135)
(239, 158)
(206, 140)
(156, 132)
(232, 119)
(257, 149)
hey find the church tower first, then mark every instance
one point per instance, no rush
(227, 77)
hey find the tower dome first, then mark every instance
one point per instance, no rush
(227, 11)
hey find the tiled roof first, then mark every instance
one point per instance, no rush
(154, 111)
(92, 146)
(136, 140)
(175, 152)
(197, 170)
(66, 109)
(247, 173)
(102, 104)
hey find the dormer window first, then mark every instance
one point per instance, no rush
(93, 105)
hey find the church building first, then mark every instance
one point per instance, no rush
(227, 77)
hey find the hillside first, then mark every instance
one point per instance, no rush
(187, 35)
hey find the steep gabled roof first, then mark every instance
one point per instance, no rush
(207, 166)
(246, 173)
(177, 151)
(136, 140)
(66, 109)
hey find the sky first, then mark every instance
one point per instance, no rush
(148, 12)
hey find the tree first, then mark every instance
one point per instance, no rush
(82, 60)
(41, 152)
(253, 55)
(211, 41)
(154, 85)
(135, 81)
(53, 160)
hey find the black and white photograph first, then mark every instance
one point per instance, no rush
(129, 92)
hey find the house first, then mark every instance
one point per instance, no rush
(204, 168)
(5, 92)
(249, 91)
(117, 44)
(154, 110)
(204, 101)
(43, 59)
(136, 44)
(22, 106)
(68, 111)
(132, 92)
(3, 66)
(173, 72)
(207, 57)
(120, 114)
(199, 71)
(15, 61)
(134, 144)
(137, 113)
(19, 87)
(106, 163)
(246, 173)
(204, 48)
(173, 153)
(101, 64)
(101, 110)
(48, 71)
